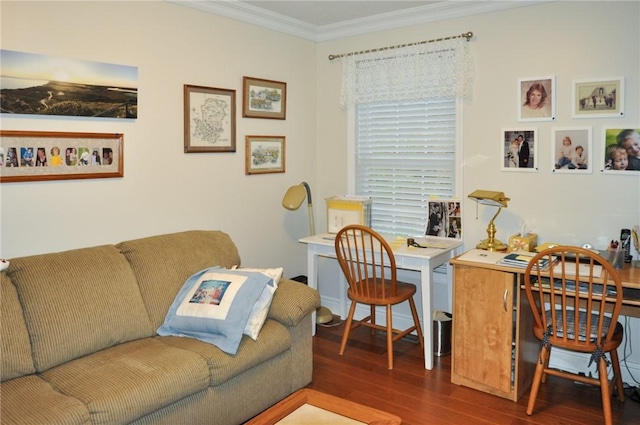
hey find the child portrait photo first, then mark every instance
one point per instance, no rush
(622, 151)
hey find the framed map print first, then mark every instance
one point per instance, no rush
(209, 119)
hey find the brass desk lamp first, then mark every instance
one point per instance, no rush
(494, 199)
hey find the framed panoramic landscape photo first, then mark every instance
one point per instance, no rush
(35, 84)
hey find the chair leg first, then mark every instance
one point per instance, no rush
(389, 338)
(604, 391)
(416, 321)
(373, 318)
(347, 327)
(543, 360)
(617, 376)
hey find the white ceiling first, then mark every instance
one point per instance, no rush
(322, 20)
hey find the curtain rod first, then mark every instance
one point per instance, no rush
(466, 35)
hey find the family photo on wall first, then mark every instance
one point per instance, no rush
(622, 150)
(519, 150)
(571, 150)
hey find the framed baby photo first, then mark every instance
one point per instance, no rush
(571, 150)
(519, 150)
(598, 98)
(621, 151)
(536, 99)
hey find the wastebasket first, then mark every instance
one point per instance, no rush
(442, 333)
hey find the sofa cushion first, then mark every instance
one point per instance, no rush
(273, 340)
(214, 306)
(261, 308)
(123, 383)
(162, 263)
(30, 400)
(15, 347)
(78, 302)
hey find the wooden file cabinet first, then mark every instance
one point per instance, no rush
(494, 349)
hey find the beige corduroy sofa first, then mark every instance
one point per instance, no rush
(79, 342)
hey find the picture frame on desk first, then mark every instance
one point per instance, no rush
(571, 150)
(519, 150)
(618, 144)
(445, 219)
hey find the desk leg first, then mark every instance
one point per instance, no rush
(312, 279)
(426, 277)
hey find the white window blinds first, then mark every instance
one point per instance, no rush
(405, 154)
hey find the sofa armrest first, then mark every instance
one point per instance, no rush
(292, 301)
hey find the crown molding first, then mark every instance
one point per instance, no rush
(417, 15)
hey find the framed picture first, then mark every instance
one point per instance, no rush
(598, 98)
(264, 154)
(41, 155)
(264, 99)
(536, 99)
(445, 219)
(621, 151)
(209, 119)
(519, 150)
(571, 151)
(57, 86)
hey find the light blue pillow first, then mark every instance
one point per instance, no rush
(214, 306)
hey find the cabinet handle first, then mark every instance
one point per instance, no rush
(504, 299)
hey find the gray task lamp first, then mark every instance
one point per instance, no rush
(292, 200)
(494, 199)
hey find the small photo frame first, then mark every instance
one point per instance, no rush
(536, 99)
(209, 119)
(42, 155)
(265, 154)
(598, 98)
(264, 99)
(571, 151)
(445, 219)
(621, 149)
(519, 150)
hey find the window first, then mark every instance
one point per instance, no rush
(404, 154)
(405, 106)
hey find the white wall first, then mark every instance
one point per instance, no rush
(570, 40)
(163, 189)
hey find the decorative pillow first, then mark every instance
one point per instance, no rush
(214, 306)
(261, 308)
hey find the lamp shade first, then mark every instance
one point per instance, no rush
(294, 197)
(489, 197)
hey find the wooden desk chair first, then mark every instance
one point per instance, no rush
(595, 330)
(369, 266)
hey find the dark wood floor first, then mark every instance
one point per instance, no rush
(420, 396)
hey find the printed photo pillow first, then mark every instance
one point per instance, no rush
(214, 305)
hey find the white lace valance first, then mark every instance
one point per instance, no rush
(423, 71)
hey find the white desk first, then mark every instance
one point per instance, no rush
(423, 260)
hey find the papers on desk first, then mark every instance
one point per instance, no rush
(521, 259)
(482, 256)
